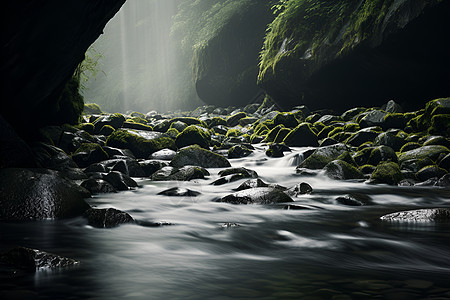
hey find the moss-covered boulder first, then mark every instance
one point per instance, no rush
(92, 109)
(272, 134)
(432, 152)
(301, 136)
(115, 120)
(234, 119)
(197, 156)
(193, 135)
(431, 171)
(185, 173)
(322, 156)
(335, 53)
(89, 153)
(382, 153)
(139, 145)
(387, 172)
(342, 170)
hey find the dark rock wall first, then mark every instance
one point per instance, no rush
(42, 44)
(358, 53)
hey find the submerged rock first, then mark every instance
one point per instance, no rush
(354, 199)
(179, 192)
(107, 217)
(299, 189)
(251, 183)
(420, 215)
(39, 194)
(34, 259)
(185, 173)
(120, 181)
(258, 195)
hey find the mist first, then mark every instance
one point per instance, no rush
(140, 65)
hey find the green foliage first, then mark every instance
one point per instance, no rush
(89, 67)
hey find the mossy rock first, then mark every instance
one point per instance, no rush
(88, 127)
(387, 172)
(318, 127)
(342, 170)
(193, 135)
(352, 113)
(106, 130)
(431, 171)
(115, 120)
(234, 119)
(286, 119)
(335, 130)
(409, 146)
(138, 114)
(397, 120)
(89, 153)
(137, 120)
(433, 152)
(351, 127)
(341, 136)
(323, 133)
(301, 136)
(362, 156)
(247, 121)
(233, 132)
(346, 156)
(322, 156)
(367, 169)
(440, 124)
(273, 133)
(395, 141)
(382, 153)
(362, 136)
(137, 126)
(282, 133)
(261, 127)
(92, 109)
(140, 146)
(238, 151)
(217, 121)
(197, 156)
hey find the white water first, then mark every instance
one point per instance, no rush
(272, 254)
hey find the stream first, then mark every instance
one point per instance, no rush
(210, 250)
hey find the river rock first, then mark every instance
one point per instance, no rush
(429, 172)
(389, 139)
(34, 259)
(98, 186)
(301, 136)
(196, 156)
(444, 181)
(259, 195)
(151, 166)
(342, 170)
(115, 120)
(185, 173)
(373, 118)
(362, 136)
(164, 154)
(419, 215)
(107, 217)
(322, 156)
(432, 152)
(179, 192)
(251, 183)
(241, 170)
(387, 172)
(381, 153)
(120, 181)
(238, 151)
(39, 194)
(353, 199)
(299, 189)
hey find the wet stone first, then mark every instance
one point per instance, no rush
(107, 217)
(164, 154)
(299, 189)
(179, 192)
(228, 179)
(97, 186)
(34, 259)
(420, 215)
(354, 199)
(246, 172)
(252, 183)
(120, 181)
(257, 196)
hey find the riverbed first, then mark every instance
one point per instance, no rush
(197, 248)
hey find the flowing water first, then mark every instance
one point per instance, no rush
(329, 252)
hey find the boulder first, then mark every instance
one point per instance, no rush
(387, 172)
(120, 181)
(259, 195)
(301, 136)
(193, 135)
(322, 156)
(432, 152)
(342, 170)
(39, 194)
(251, 183)
(196, 156)
(241, 170)
(333, 54)
(419, 215)
(106, 217)
(34, 259)
(179, 192)
(299, 189)
(98, 186)
(184, 173)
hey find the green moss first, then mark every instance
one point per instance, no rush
(70, 105)
(387, 172)
(88, 127)
(193, 135)
(234, 119)
(286, 119)
(440, 124)
(347, 158)
(367, 169)
(335, 130)
(172, 132)
(341, 136)
(342, 170)
(217, 121)
(91, 109)
(365, 145)
(106, 130)
(318, 127)
(362, 156)
(351, 127)
(432, 152)
(141, 147)
(138, 115)
(324, 132)
(233, 132)
(137, 120)
(261, 127)
(273, 133)
(301, 136)
(409, 146)
(138, 126)
(382, 153)
(282, 133)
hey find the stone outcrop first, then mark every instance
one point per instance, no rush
(341, 54)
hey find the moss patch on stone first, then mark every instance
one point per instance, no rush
(192, 135)
(387, 172)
